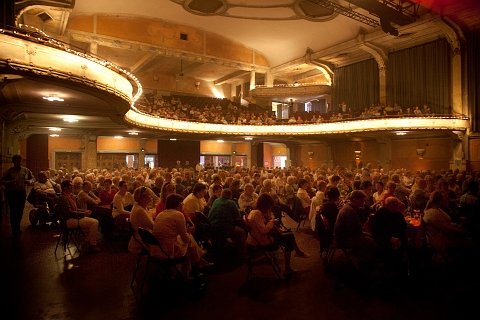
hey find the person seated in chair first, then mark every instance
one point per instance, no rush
(389, 229)
(139, 218)
(86, 199)
(348, 231)
(44, 190)
(194, 209)
(170, 228)
(444, 235)
(247, 198)
(226, 222)
(302, 193)
(263, 231)
(71, 217)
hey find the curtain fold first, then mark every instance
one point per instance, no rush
(421, 75)
(473, 78)
(357, 85)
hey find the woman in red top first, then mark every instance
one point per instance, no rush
(167, 189)
(107, 194)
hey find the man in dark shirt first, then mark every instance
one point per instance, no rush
(15, 180)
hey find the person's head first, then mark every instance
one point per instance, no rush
(391, 186)
(303, 183)
(366, 186)
(332, 193)
(199, 189)
(142, 196)
(66, 186)
(42, 177)
(393, 204)
(217, 190)
(379, 186)
(321, 185)
(227, 193)
(17, 160)
(265, 202)
(334, 179)
(174, 201)
(107, 183)
(87, 186)
(248, 188)
(422, 184)
(159, 181)
(357, 198)
(123, 186)
(167, 189)
(435, 200)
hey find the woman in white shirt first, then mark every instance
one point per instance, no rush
(122, 201)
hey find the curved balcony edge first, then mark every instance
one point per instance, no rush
(453, 123)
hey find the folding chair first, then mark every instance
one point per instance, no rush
(167, 265)
(269, 253)
(298, 212)
(69, 237)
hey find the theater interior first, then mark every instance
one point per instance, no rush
(75, 77)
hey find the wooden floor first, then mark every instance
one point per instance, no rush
(37, 284)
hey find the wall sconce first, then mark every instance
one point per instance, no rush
(197, 85)
(420, 152)
(310, 154)
(358, 153)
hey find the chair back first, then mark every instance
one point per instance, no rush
(147, 237)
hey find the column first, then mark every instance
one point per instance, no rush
(141, 154)
(89, 154)
(252, 80)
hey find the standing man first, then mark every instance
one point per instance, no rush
(15, 180)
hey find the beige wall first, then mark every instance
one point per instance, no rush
(110, 144)
(214, 147)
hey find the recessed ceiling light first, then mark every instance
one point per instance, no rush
(55, 129)
(53, 98)
(118, 137)
(401, 133)
(70, 119)
(173, 139)
(133, 133)
(54, 135)
(248, 138)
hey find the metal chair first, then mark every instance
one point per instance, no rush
(269, 253)
(69, 237)
(167, 265)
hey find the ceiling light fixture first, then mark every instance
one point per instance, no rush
(70, 119)
(220, 141)
(133, 133)
(401, 133)
(53, 98)
(54, 135)
(55, 129)
(248, 138)
(173, 139)
(118, 137)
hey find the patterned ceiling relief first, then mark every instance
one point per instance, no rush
(260, 10)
